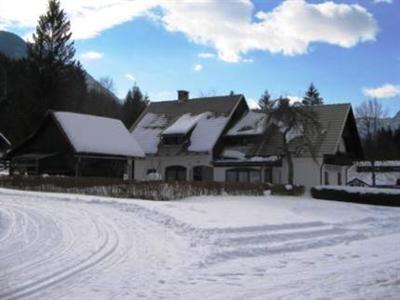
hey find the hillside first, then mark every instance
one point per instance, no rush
(13, 46)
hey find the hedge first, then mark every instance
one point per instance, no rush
(151, 190)
(287, 190)
(372, 196)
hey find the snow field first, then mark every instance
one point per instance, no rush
(55, 246)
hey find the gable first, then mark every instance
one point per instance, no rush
(337, 126)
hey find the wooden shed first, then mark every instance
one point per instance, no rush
(75, 144)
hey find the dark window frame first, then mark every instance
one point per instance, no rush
(175, 173)
(199, 174)
(241, 173)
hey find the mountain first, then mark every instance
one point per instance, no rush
(93, 85)
(12, 45)
(392, 123)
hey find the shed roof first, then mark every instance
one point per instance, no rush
(98, 135)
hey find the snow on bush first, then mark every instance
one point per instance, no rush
(364, 195)
(151, 190)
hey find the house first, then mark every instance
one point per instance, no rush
(221, 139)
(76, 144)
(387, 173)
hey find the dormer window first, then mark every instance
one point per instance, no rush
(173, 139)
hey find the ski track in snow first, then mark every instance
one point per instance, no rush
(54, 247)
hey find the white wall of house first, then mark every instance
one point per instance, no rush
(307, 172)
(160, 163)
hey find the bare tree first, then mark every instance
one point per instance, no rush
(293, 120)
(107, 83)
(370, 113)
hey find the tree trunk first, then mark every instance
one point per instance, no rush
(288, 157)
(290, 167)
(373, 173)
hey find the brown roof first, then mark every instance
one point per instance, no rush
(332, 118)
(170, 111)
(173, 109)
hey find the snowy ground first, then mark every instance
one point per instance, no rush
(83, 247)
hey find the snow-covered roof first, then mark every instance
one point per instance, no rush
(253, 123)
(201, 120)
(207, 132)
(238, 154)
(92, 134)
(148, 132)
(184, 124)
(207, 128)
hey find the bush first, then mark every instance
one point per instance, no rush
(151, 190)
(287, 190)
(373, 196)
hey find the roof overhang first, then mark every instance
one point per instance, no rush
(338, 160)
(247, 163)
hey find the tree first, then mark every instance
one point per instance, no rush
(56, 73)
(292, 121)
(312, 96)
(134, 104)
(107, 83)
(51, 41)
(369, 115)
(264, 100)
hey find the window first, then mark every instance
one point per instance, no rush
(268, 175)
(203, 173)
(326, 178)
(175, 173)
(243, 175)
(339, 178)
(173, 139)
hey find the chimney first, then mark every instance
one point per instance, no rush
(183, 96)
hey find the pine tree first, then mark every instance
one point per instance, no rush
(52, 40)
(59, 83)
(312, 96)
(264, 100)
(134, 104)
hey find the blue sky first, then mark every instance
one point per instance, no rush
(349, 49)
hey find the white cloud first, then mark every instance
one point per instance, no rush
(385, 91)
(383, 1)
(294, 99)
(92, 55)
(206, 55)
(253, 104)
(288, 29)
(197, 67)
(227, 26)
(130, 77)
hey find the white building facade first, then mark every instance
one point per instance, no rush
(221, 139)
